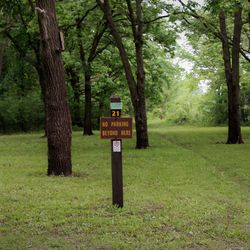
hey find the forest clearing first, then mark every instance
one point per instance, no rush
(124, 124)
(187, 191)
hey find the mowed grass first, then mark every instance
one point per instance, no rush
(187, 191)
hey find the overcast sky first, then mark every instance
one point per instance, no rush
(185, 1)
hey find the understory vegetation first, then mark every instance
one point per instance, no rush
(164, 63)
(185, 77)
(189, 190)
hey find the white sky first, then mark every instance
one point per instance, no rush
(182, 42)
(201, 2)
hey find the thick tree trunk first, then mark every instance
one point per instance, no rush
(236, 115)
(136, 88)
(232, 76)
(141, 126)
(58, 115)
(87, 128)
(140, 114)
(234, 129)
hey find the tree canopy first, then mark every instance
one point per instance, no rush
(187, 30)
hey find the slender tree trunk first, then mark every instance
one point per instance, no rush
(100, 107)
(2, 122)
(87, 128)
(74, 81)
(58, 115)
(232, 76)
(3, 45)
(136, 88)
(87, 124)
(88, 73)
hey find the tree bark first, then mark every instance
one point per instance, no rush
(87, 124)
(58, 115)
(3, 45)
(231, 67)
(87, 128)
(87, 68)
(140, 115)
(100, 108)
(136, 88)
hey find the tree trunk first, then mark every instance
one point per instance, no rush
(232, 76)
(3, 45)
(236, 115)
(136, 88)
(88, 73)
(58, 115)
(87, 124)
(100, 108)
(87, 127)
(74, 81)
(140, 114)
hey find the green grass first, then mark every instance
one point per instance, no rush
(187, 191)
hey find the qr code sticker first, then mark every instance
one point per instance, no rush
(116, 146)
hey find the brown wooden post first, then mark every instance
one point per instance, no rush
(116, 128)
(116, 163)
(116, 157)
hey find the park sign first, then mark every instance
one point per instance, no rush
(115, 106)
(116, 127)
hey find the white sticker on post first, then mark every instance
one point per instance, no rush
(117, 146)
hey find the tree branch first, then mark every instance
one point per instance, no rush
(31, 44)
(79, 21)
(19, 48)
(131, 17)
(157, 18)
(96, 42)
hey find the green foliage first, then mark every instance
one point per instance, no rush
(161, 75)
(21, 113)
(186, 191)
(183, 102)
(21, 107)
(168, 95)
(107, 72)
(208, 67)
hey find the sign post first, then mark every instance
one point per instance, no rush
(116, 165)
(116, 128)
(116, 156)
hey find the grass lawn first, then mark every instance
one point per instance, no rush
(187, 191)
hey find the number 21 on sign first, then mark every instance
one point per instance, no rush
(115, 113)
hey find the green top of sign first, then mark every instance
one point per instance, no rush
(116, 105)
